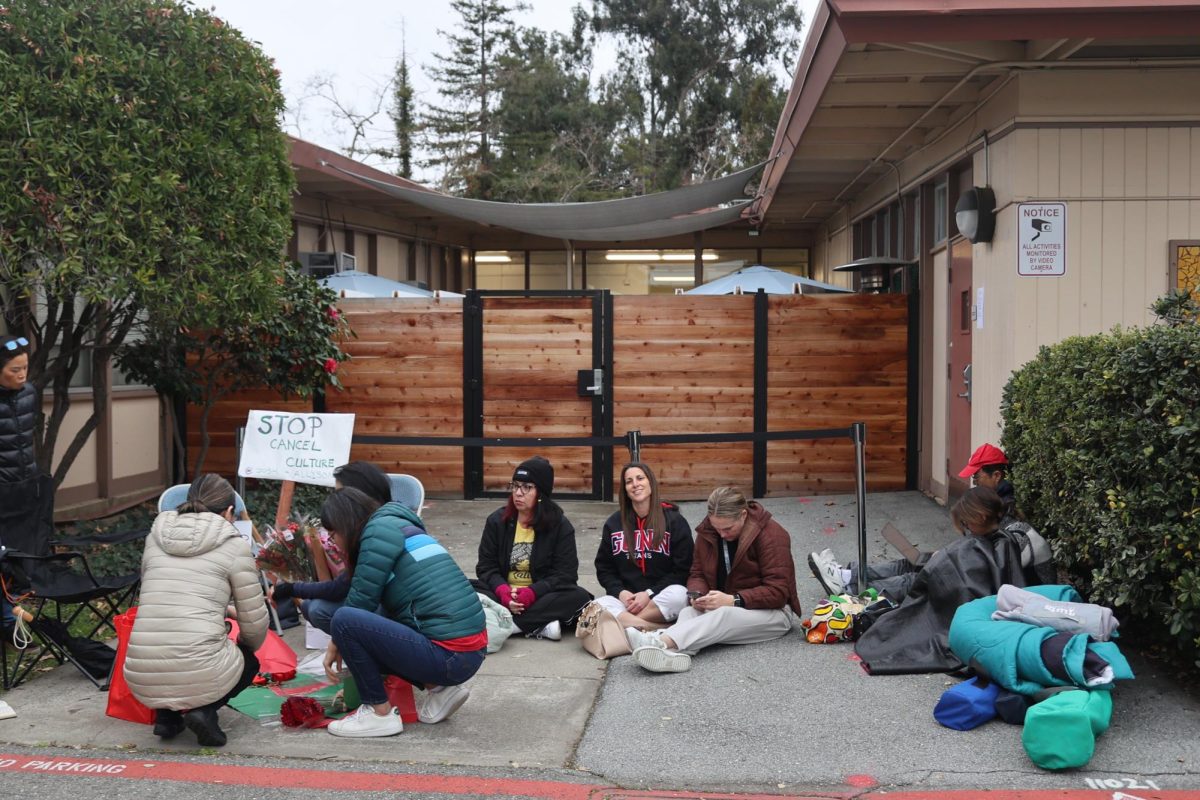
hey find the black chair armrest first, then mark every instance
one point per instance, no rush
(117, 537)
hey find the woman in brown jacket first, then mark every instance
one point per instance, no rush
(741, 588)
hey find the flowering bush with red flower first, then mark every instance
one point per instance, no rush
(286, 553)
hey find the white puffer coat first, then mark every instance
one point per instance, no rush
(180, 656)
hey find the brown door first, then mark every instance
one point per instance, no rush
(960, 319)
(533, 351)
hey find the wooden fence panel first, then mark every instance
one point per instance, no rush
(685, 364)
(405, 378)
(834, 360)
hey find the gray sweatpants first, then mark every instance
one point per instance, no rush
(695, 630)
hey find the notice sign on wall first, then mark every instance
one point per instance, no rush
(1041, 239)
(295, 447)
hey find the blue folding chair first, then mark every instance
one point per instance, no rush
(407, 490)
(173, 498)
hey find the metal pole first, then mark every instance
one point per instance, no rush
(858, 433)
(633, 442)
(241, 481)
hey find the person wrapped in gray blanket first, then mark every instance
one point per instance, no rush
(1018, 605)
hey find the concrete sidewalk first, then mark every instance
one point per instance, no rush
(782, 713)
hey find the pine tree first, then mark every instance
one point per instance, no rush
(461, 132)
(402, 117)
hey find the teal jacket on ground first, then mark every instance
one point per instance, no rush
(1011, 652)
(410, 574)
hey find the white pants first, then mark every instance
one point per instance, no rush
(670, 602)
(696, 630)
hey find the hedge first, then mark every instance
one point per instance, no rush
(1104, 436)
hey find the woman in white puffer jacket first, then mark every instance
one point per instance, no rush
(180, 660)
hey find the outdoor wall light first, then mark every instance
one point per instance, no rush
(975, 214)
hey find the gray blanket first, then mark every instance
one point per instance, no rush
(1018, 605)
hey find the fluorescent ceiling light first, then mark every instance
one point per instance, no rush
(672, 278)
(689, 257)
(632, 257)
(492, 259)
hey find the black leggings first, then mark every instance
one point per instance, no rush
(563, 605)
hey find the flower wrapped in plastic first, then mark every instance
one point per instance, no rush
(285, 552)
(333, 554)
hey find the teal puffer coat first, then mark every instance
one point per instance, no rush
(405, 570)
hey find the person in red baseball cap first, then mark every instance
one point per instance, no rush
(988, 467)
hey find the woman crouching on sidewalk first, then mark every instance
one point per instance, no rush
(430, 629)
(741, 589)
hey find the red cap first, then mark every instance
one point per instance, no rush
(984, 456)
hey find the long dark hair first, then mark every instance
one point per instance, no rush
(656, 520)
(546, 514)
(367, 478)
(346, 511)
(209, 492)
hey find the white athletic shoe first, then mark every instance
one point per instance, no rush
(438, 705)
(658, 659)
(826, 570)
(365, 723)
(643, 639)
(551, 630)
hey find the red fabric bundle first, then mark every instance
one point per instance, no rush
(302, 712)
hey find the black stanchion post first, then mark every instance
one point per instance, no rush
(858, 433)
(633, 441)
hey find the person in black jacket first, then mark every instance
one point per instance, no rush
(18, 465)
(320, 600)
(645, 554)
(527, 558)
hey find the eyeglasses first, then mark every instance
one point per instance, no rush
(521, 488)
(16, 344)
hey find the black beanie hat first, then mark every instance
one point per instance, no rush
(537, 471)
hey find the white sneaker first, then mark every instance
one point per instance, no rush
(826, 570)
(365, 723)
(551, 630)
(644, 639)
(659, 659)
(437, 705)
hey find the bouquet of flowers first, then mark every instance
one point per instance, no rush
(285, 552)
(333, 554)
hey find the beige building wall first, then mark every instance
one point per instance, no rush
(83, 470)
(307, 237)
(1122, 150)
(388, 251)
(135, 435)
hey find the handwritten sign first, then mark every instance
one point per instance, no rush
(303, 448)
(1041, 239)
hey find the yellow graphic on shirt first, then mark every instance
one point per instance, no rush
(518, 566)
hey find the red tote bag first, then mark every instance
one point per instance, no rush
(121, 702)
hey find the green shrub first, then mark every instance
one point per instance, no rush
(1104, 435)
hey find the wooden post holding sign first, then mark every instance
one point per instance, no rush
(296, 448)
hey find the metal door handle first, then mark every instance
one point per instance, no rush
(966, 376)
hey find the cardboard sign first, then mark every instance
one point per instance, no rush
(303, 448)
(1041, 239)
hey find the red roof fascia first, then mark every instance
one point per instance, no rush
(309, 156)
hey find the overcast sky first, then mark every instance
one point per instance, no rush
(355, 43)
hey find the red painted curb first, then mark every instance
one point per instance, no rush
(286, 778)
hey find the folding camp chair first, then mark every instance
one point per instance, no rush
(407, 490)
(174, 496)
(51, 580)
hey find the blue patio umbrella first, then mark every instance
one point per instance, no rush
(772, 281)
(364, 284)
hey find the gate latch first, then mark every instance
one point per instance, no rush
(590, 382)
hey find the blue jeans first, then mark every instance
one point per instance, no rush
(373, 646)
(319, 613)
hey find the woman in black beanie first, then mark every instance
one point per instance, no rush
(527, 558)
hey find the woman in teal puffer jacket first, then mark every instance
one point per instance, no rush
(430, 630)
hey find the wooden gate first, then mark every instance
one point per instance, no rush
(525, 354)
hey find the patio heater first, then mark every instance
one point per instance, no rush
(879, 274)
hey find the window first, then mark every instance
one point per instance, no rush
(941, 211)
(500, 269)
(1185, 266)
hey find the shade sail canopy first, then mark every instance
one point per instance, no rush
(627, 219)
(363, 284)
(771, 281)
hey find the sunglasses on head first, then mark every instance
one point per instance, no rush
(16, 344)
